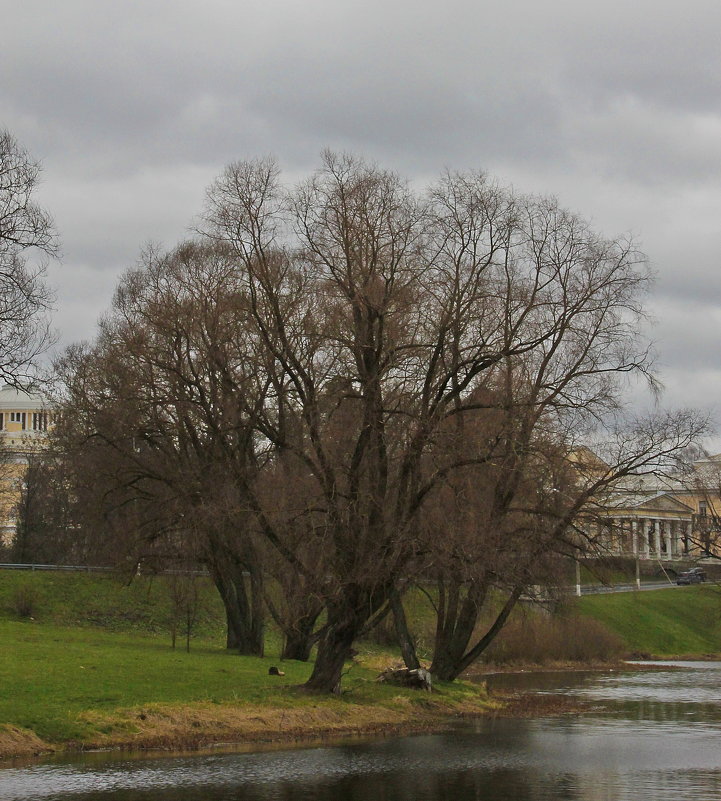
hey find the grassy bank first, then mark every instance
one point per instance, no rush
(83, 688)
(86, 662)
(676, 622)
(106, 601)
(112, 680)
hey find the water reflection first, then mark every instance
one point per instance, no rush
(676, 692)
(651, 734)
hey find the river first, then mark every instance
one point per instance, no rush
(652, 733)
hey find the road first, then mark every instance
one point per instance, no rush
(597, 589)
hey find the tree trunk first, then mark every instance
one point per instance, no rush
(257, 610)
(299, 642)
(405, 640)
(345, 622)
(334, 650)
(296, 618)
(456, 625)
(299, 639)
(452, 655)
(244, 618)
(231, 634)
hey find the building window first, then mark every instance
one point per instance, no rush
(702, 508)
(18, 417)
(2, 421)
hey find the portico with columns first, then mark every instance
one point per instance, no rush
(656, 527)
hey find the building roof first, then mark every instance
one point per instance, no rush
(15, 399)
(646, 502)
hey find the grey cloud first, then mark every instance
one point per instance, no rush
(686, 335)
(663, 53)
(105, 222)
(134, 107)
(641, 143)
(361, 74)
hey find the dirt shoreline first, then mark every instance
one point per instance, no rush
(192, 727)
(195, 727)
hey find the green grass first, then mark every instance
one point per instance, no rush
(683, 621)
(95, 645)
(95, 641)
(105, 601)
(49, 674)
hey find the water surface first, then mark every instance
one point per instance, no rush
(649, 734)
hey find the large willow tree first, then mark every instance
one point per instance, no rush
(358, 384)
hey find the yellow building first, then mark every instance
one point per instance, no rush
(700, 488)
(657, 517)
(24, 422)
(646, 519)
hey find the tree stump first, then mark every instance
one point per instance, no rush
(419, 679)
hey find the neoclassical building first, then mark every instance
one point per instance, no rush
(647, 525)
(24, 421)
(662, 518)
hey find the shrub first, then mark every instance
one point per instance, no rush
(25, 600)
(540, 639)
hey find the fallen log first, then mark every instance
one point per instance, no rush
(417, 679)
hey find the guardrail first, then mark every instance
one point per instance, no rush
(76, 568)
(601, 589)
(586, 589)
(96, 569)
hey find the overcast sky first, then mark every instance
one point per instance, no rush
(134, 107)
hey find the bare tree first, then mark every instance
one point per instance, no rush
(353, 385)
(383, 316)
(294, 597)
(46, 529)
(697, 482)
(24, 297)
(157, 409)
(497, 536)
(185, 601)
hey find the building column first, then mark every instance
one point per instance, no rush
(675, 537)
(657, 537)
(645, 549)
(634, 538)
(663, 525)
(666, 536)
(688, 533)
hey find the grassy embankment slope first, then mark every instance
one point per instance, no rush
(86, 662)
(90, 665)
(677, 622)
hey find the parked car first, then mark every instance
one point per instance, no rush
(698, 571)
(689, 577)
